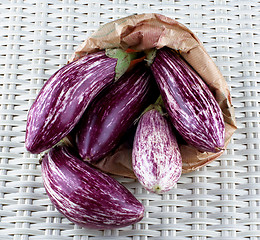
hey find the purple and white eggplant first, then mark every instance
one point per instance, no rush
(110, 115)
(191, 106)
(85, 195)
(156, 156)
(64, 98)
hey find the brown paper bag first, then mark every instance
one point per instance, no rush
(145, 31)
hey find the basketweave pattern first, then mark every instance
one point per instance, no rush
(221, 201)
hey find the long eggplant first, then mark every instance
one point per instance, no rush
(191, 106)
(86, 196)
(156, 156)
(113, 112)
(64, 98)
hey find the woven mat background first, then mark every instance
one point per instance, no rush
(220, 201)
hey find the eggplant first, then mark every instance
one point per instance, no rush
(111, 114)
(85, 195)
(64, 98)
(191, 106)
(156, 156)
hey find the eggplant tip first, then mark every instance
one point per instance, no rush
(30, 148)
(219, 149)
(157, 189)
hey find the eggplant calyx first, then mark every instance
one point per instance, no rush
(124, 59)
(158, 105)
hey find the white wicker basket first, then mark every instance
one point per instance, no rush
(219, 202)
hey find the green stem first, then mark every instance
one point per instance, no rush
(158, 105)
(150, 55)
(159, 101)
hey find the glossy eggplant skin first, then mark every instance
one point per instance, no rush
(64, 98)
(112, 114)
(86, 196)
(156, 157)
(191, 106)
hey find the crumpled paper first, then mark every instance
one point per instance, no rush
(145, 31)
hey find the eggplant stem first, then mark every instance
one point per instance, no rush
(158, 105)
(150, 55)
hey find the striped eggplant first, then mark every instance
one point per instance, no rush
(64, 98)
(156, 157)
(109, 117)
(191, 106)
(86, 196)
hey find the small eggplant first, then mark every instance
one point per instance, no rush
(86, 196)
(156, 156)
(191, 106)
(64, 98)
(111, 114)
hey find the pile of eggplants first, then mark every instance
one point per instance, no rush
(88, 102)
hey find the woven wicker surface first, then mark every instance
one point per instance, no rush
(221, 201)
